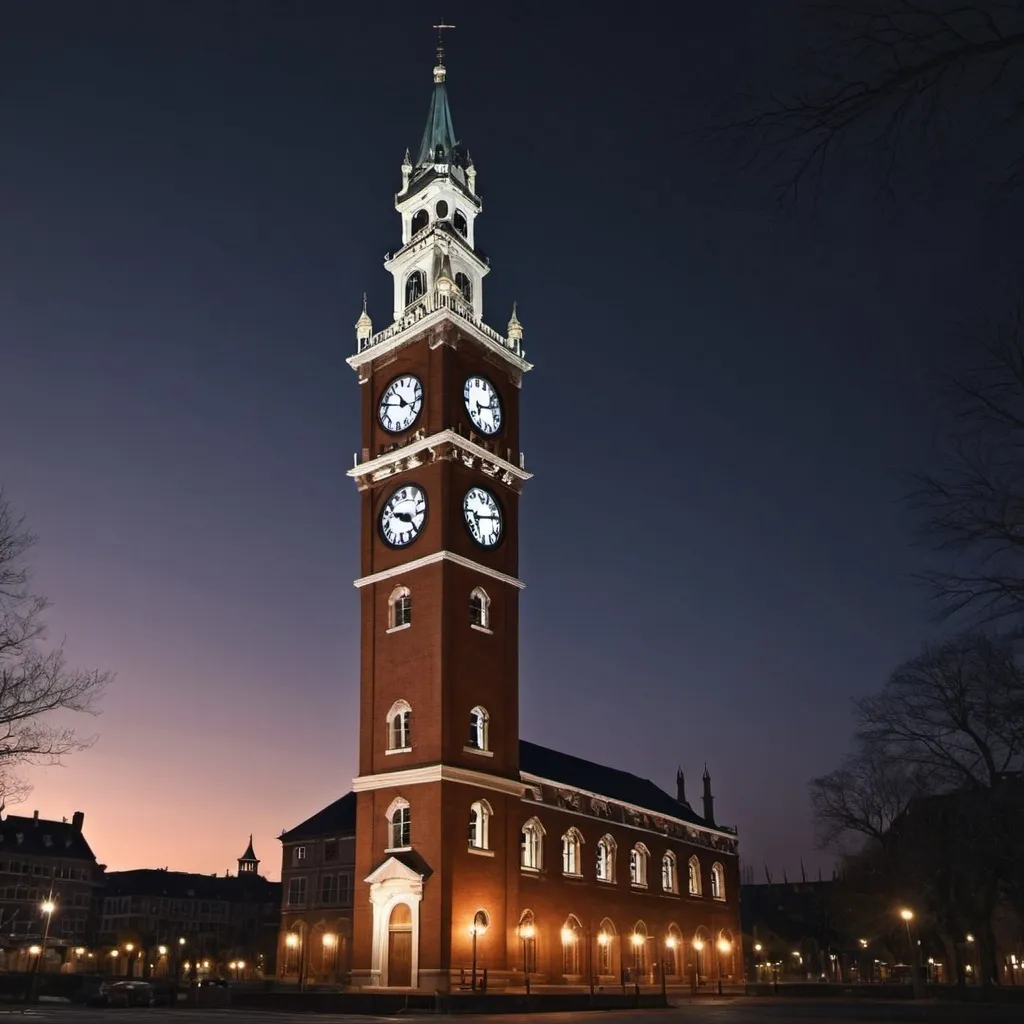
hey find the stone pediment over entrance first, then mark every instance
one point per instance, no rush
(393, 870)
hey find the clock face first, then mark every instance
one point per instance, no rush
(403, 516)
(483, 404)
(400, 404)
(483, 516)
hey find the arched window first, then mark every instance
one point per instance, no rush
(572, 843)
(571, 946)
(415, 286)
(606, 859)
(606, 939)
(528, 936)
(638, 940)
(693, 871)
(673, 951)
(480, 609)
(638, 858)
(668, 872)
(459, 220)
(726, 954)
(532, 846)
(420, 220)
(463, 283)
(717, 882)
(478, 719)
(399, 608)
(479, 819)
(399, 824)
(703, 954)
(399, 723)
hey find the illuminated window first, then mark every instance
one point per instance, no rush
(399, 722)
(717, 882)
(638, 940)
(606, 859)
(572, 843)
(480, 609)
(693, 869)
(478, 719)
(415, 286)
(527, 935)
(399, 831)
(606, 940)
(479, 818)
(300, 855)
(571, 946)
(400, 608)
(668, 872)
(532, 845)
(638, 858)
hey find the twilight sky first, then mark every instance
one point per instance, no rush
(726, 400)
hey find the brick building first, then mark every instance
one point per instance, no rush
(318, 861)
(41, 862)
(472, 846)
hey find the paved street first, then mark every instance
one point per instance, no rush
(726, 1011)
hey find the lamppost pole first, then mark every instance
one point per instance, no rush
(525, 934)
(478, 927)
(915, 973)
(698, 945)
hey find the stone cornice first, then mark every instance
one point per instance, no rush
(432, 559)
(437, 773)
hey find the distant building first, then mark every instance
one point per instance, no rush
(222, 918)
(318, 860)
(40, 861)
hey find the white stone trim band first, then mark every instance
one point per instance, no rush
(437, 773)
(437, 556)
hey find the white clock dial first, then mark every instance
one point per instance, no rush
(483, 516)
(483, 404)
(403, 516)
(400, 404)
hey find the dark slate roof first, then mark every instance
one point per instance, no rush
(43, 838)
(339, 817)
(597, 778)
(250, 853)
(244, 888)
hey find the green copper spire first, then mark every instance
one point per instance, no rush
(439, 145)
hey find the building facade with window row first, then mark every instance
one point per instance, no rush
(473, 849)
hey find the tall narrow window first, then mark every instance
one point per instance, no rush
(480, 609)
(606, 859)
(571, 843)
(459, 223)
(606, 937)
(399, 726)
(399, 822)
(717, 882)
(463, 283)
(420, 220)
(638, 858)
(693, 869)
(478, 729)
(415, 286)
(639, 942)
(527, 935)
(668, 872)
(479, 819)
(399, 608)
(571, 946)
(532, 845)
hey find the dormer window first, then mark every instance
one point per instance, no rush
(459, 222)
(441, 209)
(420, 221)
(463, 283)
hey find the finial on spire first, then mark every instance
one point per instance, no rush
(439, 68)
(364, 326)
(515, 328)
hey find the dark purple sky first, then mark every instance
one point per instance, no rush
(193, 197)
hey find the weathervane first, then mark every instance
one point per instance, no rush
(439, 70)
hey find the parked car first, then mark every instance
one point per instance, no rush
(131, 993)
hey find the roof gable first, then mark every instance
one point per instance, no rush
(339, 817)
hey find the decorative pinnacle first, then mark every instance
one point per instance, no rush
(515, 328)
(407, 160)
(364, 325)
(439, 68)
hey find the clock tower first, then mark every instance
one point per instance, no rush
(439, 478)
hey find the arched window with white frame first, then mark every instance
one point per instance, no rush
(465, 285)
(638, 860)
(400, 726)
(399, 825)
(717, 881)
(415, 285)
(668, 872)
(531, 845)
(480, 609)
(693, 873)
(479, 825)
(572, 844)
(606, 859)
(400, 608)
(478, 722)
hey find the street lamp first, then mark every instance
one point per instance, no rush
(670, 945)
(526, 933)
(698, 945)
(477, 928)
(329, 952)
(915, 980)
(723, 947)
(35, 950)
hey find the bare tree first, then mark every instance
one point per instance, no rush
(895, 78)
(973, 502)
(35, 681)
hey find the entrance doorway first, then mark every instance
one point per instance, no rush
(400, 946)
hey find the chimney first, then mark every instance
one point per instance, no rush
(77, 820)
(709, 800)
(680, 787)
(35, 818)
